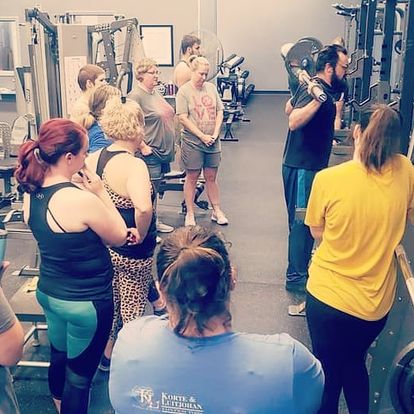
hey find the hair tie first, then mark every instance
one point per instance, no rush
(35, 144)
(36, 153)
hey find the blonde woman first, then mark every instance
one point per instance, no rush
(127, 182)
(200, 111)
(90, 119)
(97, 140)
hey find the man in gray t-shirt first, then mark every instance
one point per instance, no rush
(11, 347)
(159, 123)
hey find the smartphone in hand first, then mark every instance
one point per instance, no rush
(132, 237)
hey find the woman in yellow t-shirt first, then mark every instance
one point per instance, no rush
(358, 211)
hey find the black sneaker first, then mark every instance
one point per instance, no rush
(296, 286)
(104, 364)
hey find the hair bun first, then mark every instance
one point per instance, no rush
(192, 58)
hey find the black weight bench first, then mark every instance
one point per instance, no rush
(174, 181)
(228, 132)
(27, 309)
(7, 165)
(19, 232)
(24, 302)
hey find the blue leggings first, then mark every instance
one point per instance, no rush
(78, 332)
(297, 185)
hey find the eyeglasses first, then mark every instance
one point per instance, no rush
(153, 72)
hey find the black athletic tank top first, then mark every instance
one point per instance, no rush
(74, 266)
(127, 211)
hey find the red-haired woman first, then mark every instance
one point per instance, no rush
(72, 228)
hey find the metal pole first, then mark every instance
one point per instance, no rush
(369, 43)
(360, 47)
(407, 79)
(386, 52)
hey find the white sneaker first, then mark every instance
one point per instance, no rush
(189, 220)
(220, 218)
(164, 228)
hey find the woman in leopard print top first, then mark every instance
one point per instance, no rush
(127, 182)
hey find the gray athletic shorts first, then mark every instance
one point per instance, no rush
(195, 159)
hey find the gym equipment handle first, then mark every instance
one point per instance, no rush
(406, 270)
(315, 90)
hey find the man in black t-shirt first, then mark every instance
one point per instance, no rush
(307, 150)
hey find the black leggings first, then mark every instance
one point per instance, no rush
(153, 294)
(341, 341)
(78, 333)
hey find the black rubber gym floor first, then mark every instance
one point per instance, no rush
(252, 198)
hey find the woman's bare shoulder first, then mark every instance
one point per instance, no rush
(125, 165)
(73, 197)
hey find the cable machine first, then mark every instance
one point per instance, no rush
(58, 50)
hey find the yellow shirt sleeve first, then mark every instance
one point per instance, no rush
(410, 215)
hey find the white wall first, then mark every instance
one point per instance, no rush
(182, 14)
(256, 29)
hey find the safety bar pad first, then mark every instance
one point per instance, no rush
(233, 63)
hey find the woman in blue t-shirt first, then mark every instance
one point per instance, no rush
(194, 361)
(90, 120)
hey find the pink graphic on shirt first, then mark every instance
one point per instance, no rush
(210, 107)
(204, 113)
(198, 110)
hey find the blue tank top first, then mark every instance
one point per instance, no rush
(127, 211)
(74, 266)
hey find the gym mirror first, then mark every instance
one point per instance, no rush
(9, 52)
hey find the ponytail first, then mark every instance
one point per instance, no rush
(195, 62)
(57, 137)
(195, 276)
(380, 139)
(86, 120)
(96, 104)
(30, 171)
